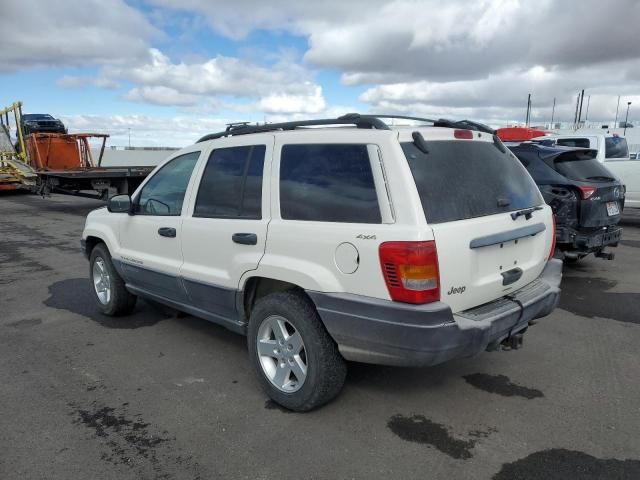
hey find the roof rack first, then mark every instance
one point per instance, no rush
(243, 128)
(369, 121)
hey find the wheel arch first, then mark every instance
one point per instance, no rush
(257, 287)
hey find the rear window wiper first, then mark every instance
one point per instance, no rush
(527, 212)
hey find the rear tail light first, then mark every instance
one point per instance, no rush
(464, 134)
(410, 271)
(553, 241)
(586, 192)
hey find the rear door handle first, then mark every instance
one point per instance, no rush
(167, 232)
(245, 238)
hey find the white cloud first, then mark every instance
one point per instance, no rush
(160, 95)
(312, 102)
(176, 131)
(71, 33)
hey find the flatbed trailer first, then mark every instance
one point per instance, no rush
(46, 163)
(103, 181)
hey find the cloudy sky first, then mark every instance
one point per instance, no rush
(168, 71)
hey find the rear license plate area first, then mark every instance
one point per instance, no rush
(613, 209)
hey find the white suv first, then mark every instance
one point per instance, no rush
(390, 245)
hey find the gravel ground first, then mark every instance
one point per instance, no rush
(164, 396)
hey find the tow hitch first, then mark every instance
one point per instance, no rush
(514, 342)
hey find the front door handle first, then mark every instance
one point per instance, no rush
(167, 232)
(245, 238)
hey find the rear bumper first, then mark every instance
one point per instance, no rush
(391, 333)
(587, 242)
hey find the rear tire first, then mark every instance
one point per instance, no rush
(287, 340)
(108, 288)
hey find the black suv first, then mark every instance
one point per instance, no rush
(41, 123)
(585, 197)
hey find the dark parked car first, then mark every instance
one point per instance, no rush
(585, 197)
(41, 123)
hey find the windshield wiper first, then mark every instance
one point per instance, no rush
(527, 212)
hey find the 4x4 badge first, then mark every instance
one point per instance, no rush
(366, 237)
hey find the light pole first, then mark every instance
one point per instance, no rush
(626, 119)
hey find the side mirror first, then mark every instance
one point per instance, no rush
(119, 204)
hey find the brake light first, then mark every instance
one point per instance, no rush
(410, 271)
(586, 192)
(464, 134)
(553, 241)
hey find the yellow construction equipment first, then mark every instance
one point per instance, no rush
(15, 171)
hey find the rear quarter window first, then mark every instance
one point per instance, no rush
(328, 183)
(461, 179)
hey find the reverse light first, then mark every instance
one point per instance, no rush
(553, 241)
(463, 134)
(410, 271)
(586, 191)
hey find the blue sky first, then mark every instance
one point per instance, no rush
(171, 70)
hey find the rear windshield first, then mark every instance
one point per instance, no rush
(616, 147)
(582, 167)
(460, 179)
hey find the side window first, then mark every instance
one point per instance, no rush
(574, 142)
(327, 183)
(164, 193)
(231, 185)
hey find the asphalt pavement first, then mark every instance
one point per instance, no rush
(160, 395)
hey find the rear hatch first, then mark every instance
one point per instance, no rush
(492, 228)
(601, 194)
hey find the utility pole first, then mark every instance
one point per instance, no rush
(580, 112)
(615, 122)
(626, 119)
(553, 111)
(586, 115)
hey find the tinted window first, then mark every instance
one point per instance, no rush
(574, 142)
(231, 185)
(327, 183)
(164, 193)
(615, 147)
(582, 167)
(459, 179)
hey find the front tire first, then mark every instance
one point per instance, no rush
(109, 290)
(297, 362)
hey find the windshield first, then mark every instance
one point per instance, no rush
(616, 147)
(457, 180)
(583, 167)
(37, 116)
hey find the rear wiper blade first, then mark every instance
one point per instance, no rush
(527, 212)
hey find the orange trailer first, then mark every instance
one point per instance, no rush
(59, 151)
